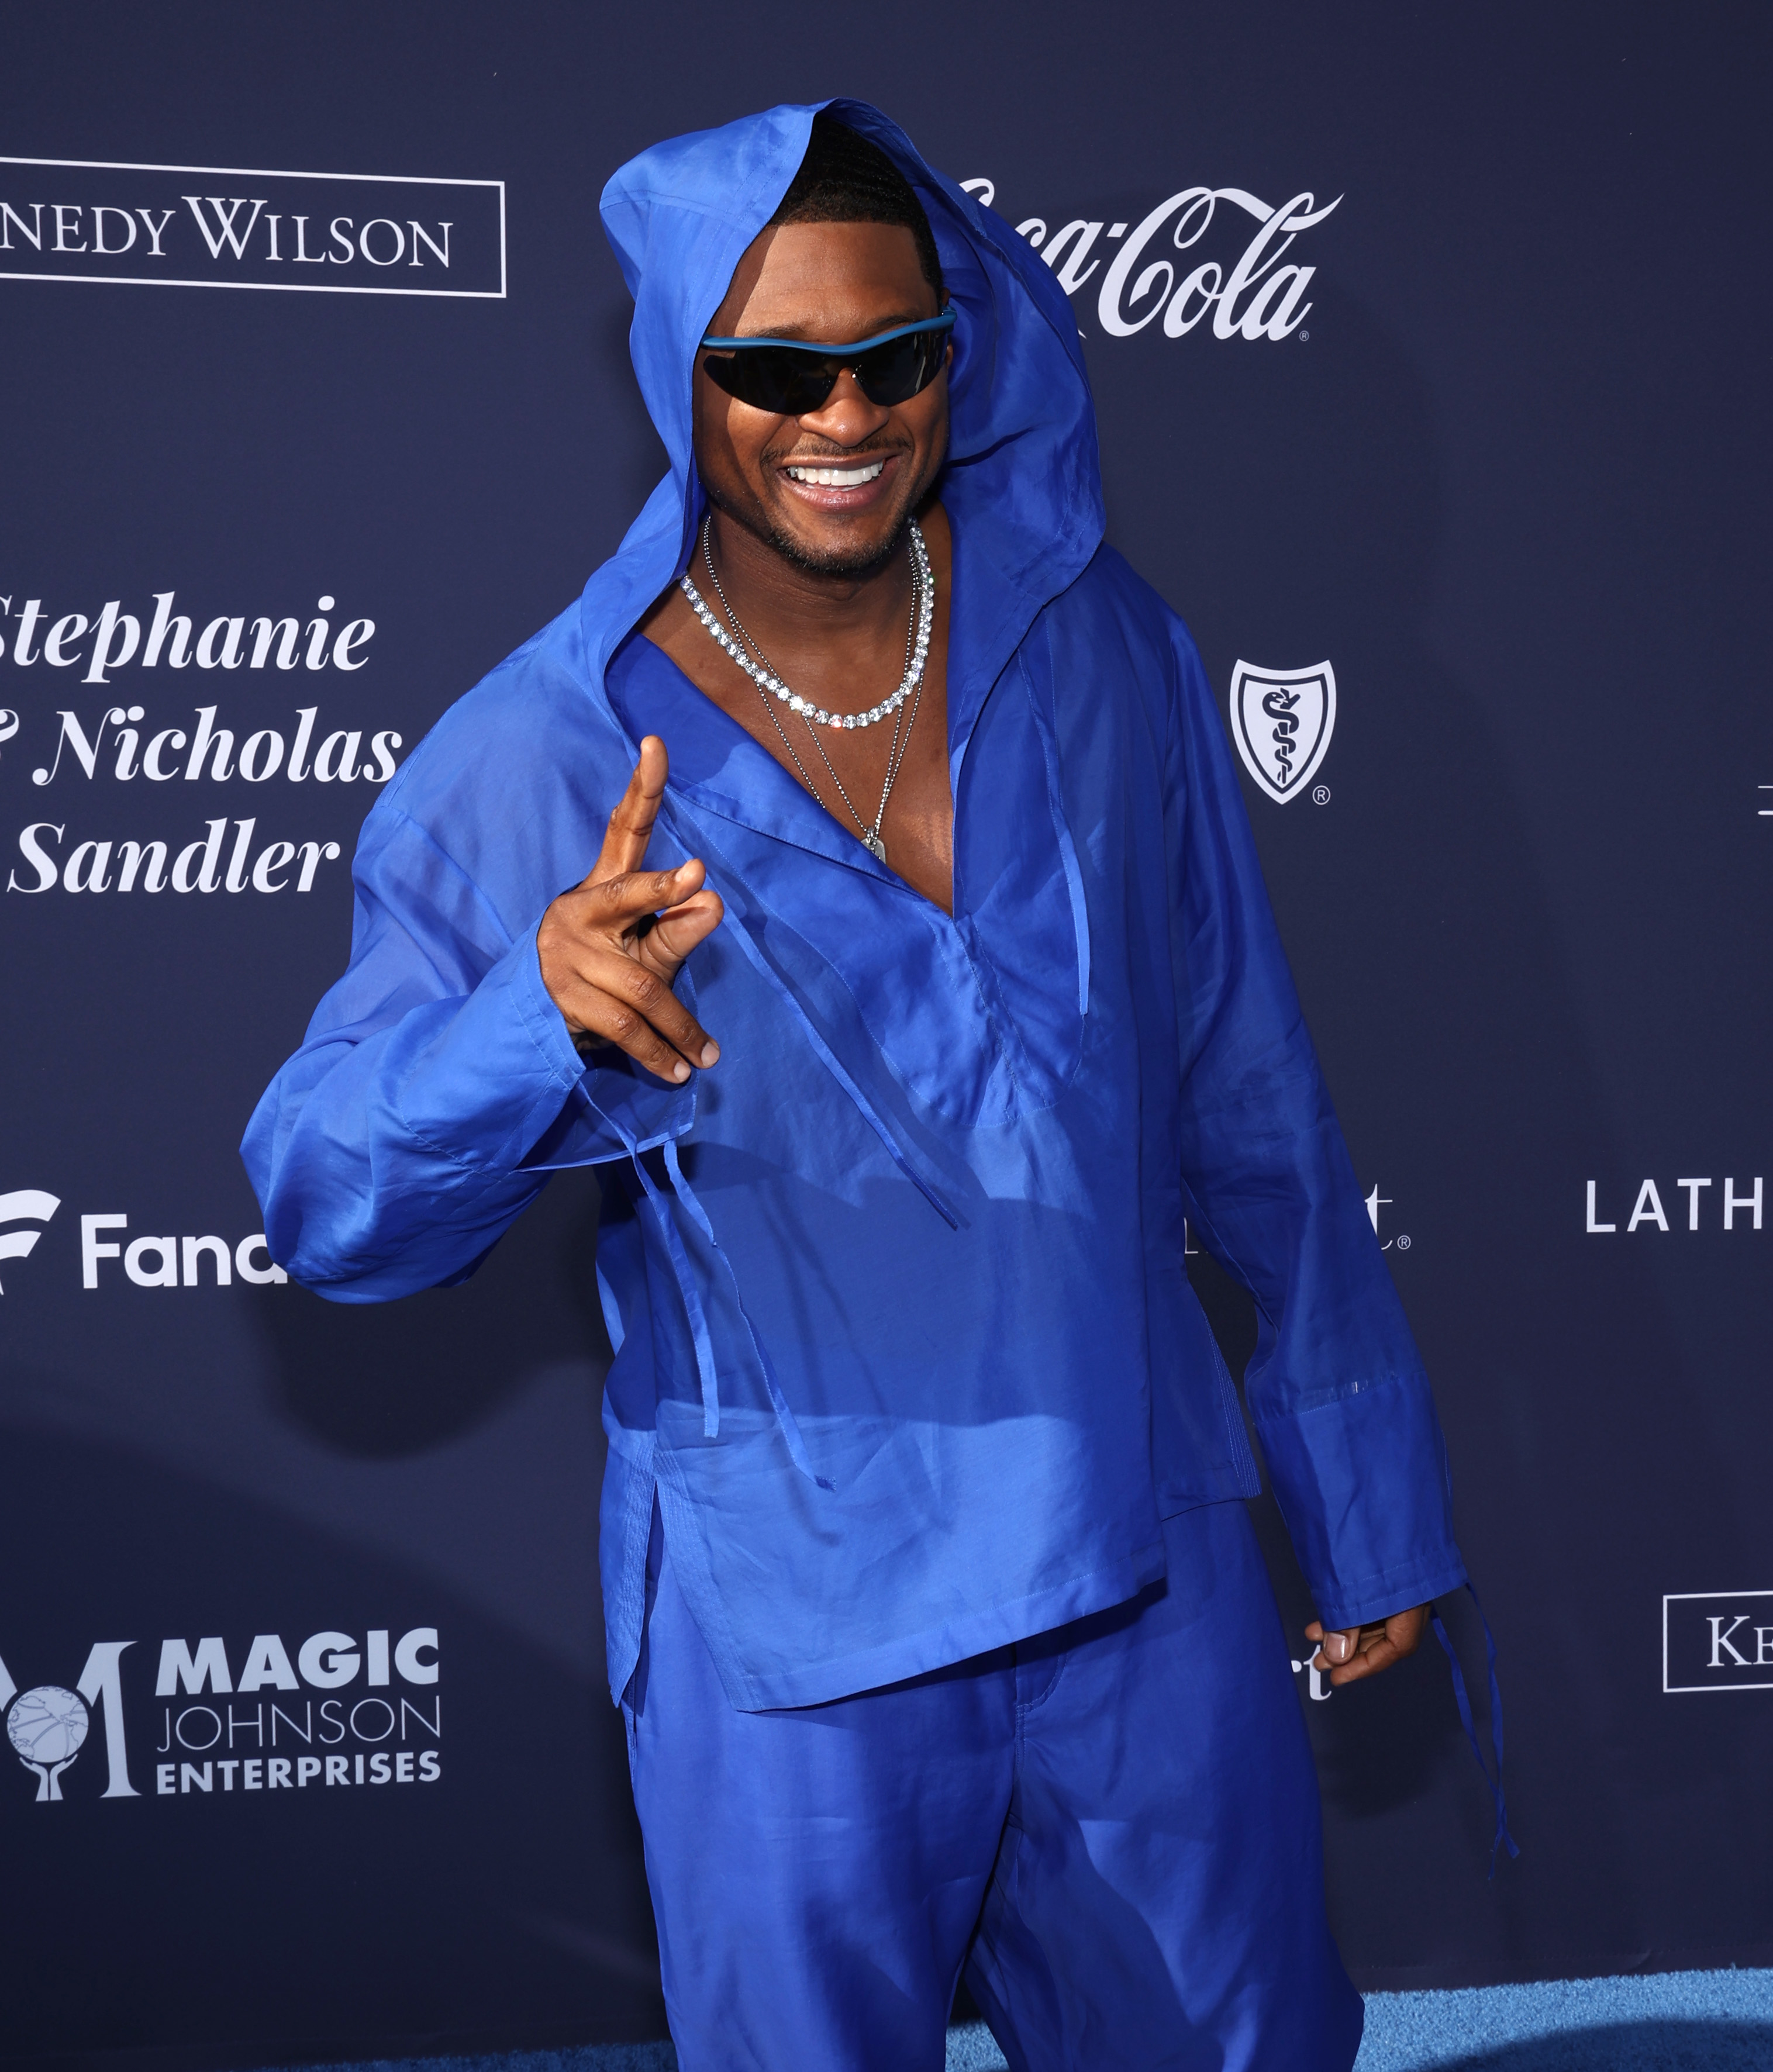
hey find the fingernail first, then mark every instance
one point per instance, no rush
(1337, 1648)
(710, 1053)
(679, 1071)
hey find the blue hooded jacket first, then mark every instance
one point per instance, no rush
(904, 1342)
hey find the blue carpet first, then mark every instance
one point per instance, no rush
(1671, 2021)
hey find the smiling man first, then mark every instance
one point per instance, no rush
(911, 1003)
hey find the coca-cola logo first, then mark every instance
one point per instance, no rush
(1195, 256)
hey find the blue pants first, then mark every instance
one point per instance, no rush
(1112, 1829)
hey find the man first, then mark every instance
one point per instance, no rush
(912, 1002)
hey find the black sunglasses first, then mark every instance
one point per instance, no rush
(790, 378)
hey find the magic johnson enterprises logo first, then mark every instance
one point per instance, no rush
(1717, 1640)
(1212, 255)
(263, 1729)
(48, 1725)
(1281, 720)
(218, 227)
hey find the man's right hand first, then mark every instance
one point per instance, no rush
(610, 948)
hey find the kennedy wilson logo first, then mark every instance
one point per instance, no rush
(1720, 1640)
(222, 227)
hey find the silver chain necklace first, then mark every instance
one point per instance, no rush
(762, 673)
(766, 678)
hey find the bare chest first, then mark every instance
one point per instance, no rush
(887, 788)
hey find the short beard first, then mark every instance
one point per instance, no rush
(863, 562)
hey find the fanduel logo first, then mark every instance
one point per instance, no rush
(1717, 1640)
(166, 1253)
(23, 1205)
(1281, 720)
(1248, 293)
(211, 227)
(157, 1261)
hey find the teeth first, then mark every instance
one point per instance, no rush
(838, 478)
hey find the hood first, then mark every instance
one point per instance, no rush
(1023, 484)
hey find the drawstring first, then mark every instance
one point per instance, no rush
(828, 1058)
(1502, 1839)
(686, 1287)
(612, 1311)
(699, 1334)
(680, 1186)
(785, 1416)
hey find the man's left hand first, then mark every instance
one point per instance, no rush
(1364, 1650)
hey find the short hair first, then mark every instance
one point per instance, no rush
(845, 178)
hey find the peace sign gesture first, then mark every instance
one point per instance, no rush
(610, 948)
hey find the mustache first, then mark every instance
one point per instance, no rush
(829, 452)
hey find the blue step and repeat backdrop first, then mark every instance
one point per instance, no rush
(1431, 355)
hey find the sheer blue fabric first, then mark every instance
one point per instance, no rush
(1111, 1831)
(904, 1338)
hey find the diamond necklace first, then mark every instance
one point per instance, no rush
(766, 678)
(763, 674)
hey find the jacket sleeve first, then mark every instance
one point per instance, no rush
(437, 1086)
(1336, 1387)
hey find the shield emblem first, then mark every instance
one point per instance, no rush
(1281, 720)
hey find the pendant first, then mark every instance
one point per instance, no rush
(875, 846)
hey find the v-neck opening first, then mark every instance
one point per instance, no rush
(703, 711)
(980, 1011)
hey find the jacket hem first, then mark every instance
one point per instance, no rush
(897, 1661)
(1232, 1486)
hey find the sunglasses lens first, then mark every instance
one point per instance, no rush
(777, 378)
(793, 382)
(901, 369)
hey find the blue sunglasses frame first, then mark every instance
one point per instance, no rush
(793, 376)
(944, 322)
